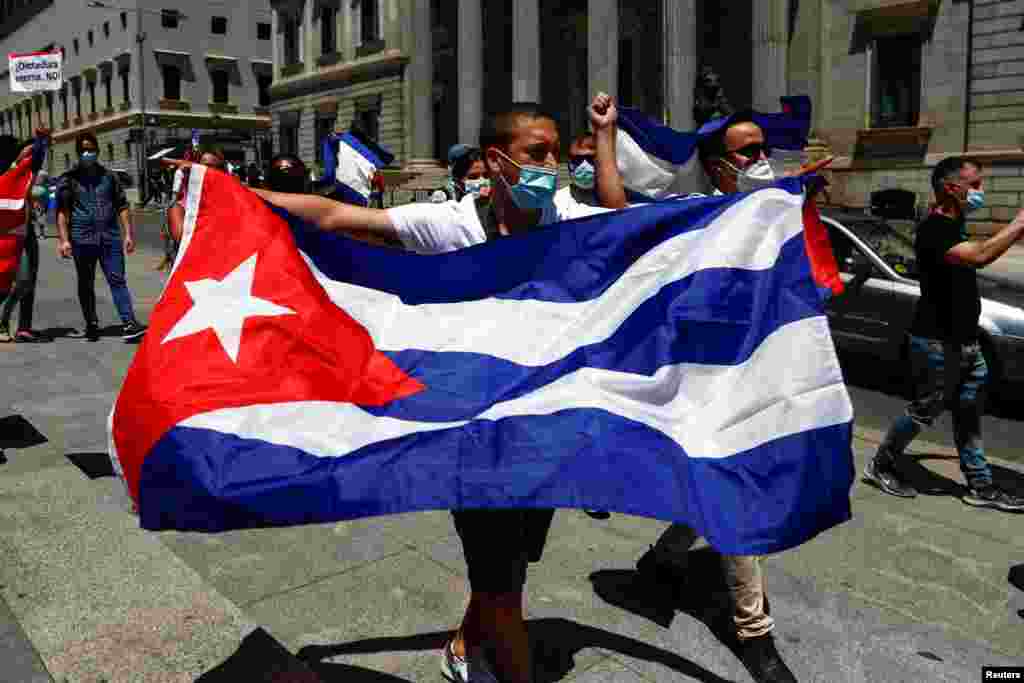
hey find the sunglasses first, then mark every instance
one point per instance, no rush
(753, 151)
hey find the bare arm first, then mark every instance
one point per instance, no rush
(330, 215)
(981, 254)
(603, 116)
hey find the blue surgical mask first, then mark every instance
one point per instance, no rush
(536, 186)
(583, 175)
(87, 158)
(975, 200)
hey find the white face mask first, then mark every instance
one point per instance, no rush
(758, 175)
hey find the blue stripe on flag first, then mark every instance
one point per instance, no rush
(708, 318)
(765, 500)
(567, 262)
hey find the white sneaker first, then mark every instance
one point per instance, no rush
(473, 669)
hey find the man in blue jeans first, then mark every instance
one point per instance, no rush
(948, 367)
(91, 203)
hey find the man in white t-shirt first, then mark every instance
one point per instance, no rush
(520, 148)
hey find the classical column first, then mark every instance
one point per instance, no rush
(420, 78)
(770, 39)
(471, 70)
(309, 45)
(680, 40)
(602, 47)
(526, 51)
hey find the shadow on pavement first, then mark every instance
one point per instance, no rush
(555, 643)
(261, 659)
(92, 465)
(17, 432)
(931, 483)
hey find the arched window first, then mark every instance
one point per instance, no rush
(172, 82)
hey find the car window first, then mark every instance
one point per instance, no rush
(895, 249)
(848, 256)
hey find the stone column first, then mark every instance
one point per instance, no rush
(276, 51)
(769, 59)
(420, 78)
(471, 70)
(309, 44)
(680, 38)
(526, 51)
(602, 47)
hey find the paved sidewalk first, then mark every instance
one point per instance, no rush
(907, 591)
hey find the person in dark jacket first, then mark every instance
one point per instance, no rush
(91, 204)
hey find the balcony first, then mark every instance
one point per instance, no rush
(175, 105)
(223, 108)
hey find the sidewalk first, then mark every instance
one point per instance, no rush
(906, 591)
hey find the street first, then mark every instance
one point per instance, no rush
(906, 591)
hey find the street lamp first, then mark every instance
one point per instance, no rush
(140, 38)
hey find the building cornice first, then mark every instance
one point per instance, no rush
(387, 63)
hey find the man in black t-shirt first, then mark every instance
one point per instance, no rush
(946, 360)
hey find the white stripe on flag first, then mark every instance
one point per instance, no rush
(792, 383)
(547, 331)
(354, 170)
(646, 174)
(12, 204)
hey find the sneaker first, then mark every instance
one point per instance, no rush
(473, 669)
(29, 337)
(992, 496)
(763, 661)
(133, 331)
(91, 333)
(879, 471)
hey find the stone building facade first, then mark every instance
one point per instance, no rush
(208, 68)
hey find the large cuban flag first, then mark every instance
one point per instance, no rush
(350, 166)
(670, 361)
(657, 162)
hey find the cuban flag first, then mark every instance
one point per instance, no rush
(351, 165)
(657, 162)
(14, 185)
(670, 361)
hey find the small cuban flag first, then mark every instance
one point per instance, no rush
(657, 162)
(351, 167)
(14, 185)
(671, 360)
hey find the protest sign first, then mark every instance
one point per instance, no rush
(35, 71)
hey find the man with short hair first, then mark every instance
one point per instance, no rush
(947, 363)
(734, 158)
(520, 148)
(582, 191)
(91, 203)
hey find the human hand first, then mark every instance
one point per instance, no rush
(603, 112)
(814, 166)
(129, 245)
(42, 132)
(64, 249)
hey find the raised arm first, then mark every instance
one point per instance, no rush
(603, 118)
(333, 216)
(981, 254)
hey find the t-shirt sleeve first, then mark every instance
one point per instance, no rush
(428, 228)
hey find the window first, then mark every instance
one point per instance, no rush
(78, 103)
(67, 160)
(49, 110)
(369, 18)
(75, 43)
(368, 121)
(324, 127)
(124, 86)
(289, 139)
(89, 37)
(219, 25)
(124, 21)
(169, 18)
(108, 87)
(263, 82)
(92, 97)
(290, 31)
(897, 81)
(328, 30)
(219, 79)
(128, 148)
(64, 103)
(262, 31)
(106, 29)
(110, 151)
(172, 82)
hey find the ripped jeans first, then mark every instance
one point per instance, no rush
(946, 376)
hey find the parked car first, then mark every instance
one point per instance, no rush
(124, 177)
(874, 314)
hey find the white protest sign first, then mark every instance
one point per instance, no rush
(34, 71)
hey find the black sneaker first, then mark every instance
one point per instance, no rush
(992, 496)
(91, 333)
(763, 661)
(133, 331)
(880, 472)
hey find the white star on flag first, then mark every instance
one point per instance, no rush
(223, 306)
